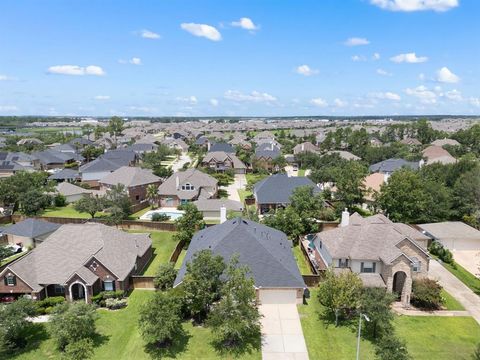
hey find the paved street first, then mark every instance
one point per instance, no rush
(182, 160)
(282, 335)
(456, 288)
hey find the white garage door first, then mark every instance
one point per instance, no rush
(278, 296)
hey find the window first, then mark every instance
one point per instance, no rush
(108, 285)
(342, 263)
(188, 187)
(10, 280)
(417, 265)
(368, 267)
(137, 197)
(59, 289)
(94, 266)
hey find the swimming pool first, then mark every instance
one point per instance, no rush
(172, 212)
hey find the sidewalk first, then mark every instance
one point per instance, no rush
(399, 309)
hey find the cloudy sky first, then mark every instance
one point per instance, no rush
(248, 57)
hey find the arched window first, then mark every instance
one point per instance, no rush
(417, 264)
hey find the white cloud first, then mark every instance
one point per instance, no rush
(383, 72)
(254, 96)
(319, 102)
(305, 70)
(147, 34)
(136, 61)
(202, 30)
(387, 96)
(143, 109)
(474, 101)
(376, 56)
(355, 41)
(102, 97)
(214, 102)
(421, 77)
(415, 5)
(192, 100)
(339, 103)
(245, 23)
(6, 78)
(410, 58)
(7, 108)
(446, 76)
(454, 95)
(358, 58)
(76, 70)
(421, 92)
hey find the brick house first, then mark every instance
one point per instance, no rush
(221, 161)
(77, 261)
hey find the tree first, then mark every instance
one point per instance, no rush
(152, 194)
(202, 283)
(79, 350)
(90, 205)
(5, 252)
(308, 205)
(33, 201)
(390, 347)
(467, 194)
(91, 152)
(13, 188)
(160, 319)
(375, 303)
(286, 220)
(118, 202)
(72, 322)
(476, 354)
(165, 276)
(15, 326)
(350, 185)
(190, 222)
(235, 318)
(340, 293)
(115, 127)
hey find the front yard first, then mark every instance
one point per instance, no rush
(429, 337)
(119, 338)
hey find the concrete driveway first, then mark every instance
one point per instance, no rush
(182, 160)
(282, 335)
(239, 183)
(466, 297)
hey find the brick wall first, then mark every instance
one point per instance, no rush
(20, 288)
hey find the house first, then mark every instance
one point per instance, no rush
(266, 251)
(210, 208)
(13, 162)
(203, 141)
(275, 191)
(65, 175)
(186, 186)
(72, 192)
(52, 159)
(304, 148)
(383, 253)
(78, 261)
(373, 183)
(390, 165)
(176, 144)
(65, 148)
(265, 154)
(343, 154)
(142, 148)
(411, 142)
(135, 179)
(29, 232)
(445, 141)
(29, 141)
(80, 143)
(436, 154)
(220, 161)
(221, 146)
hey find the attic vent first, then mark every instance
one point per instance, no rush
(244, 222)
(94, 266)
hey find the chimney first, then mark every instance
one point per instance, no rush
(345, 218)
(223, 214)
(177, 182)
(271, 146)
(303, 147)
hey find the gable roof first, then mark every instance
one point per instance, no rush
(221, 146)
(267, 151)
(68, 249)
(266, 251)
(216, 204)
(435, 154)
(195, 177)
(343, 154)
(31, 228)
(67, 189)
(130, 176)
(390, 165)
(278, 188)
(99, 165)
(64, 174)
(445, 141)
(222, 156)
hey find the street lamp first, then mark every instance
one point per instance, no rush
(359, 332)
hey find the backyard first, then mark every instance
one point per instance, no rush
(429, 337)
(302, 263)
(68, 212)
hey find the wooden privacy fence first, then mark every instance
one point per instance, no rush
(176, 252)
(142, 282)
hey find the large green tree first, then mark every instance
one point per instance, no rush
(189, 223)
(15, 327)
(375, 303)
(90, 205)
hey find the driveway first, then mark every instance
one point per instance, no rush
(282, 335)
(289, 171)
(239, 183)
(466, 297)
(182, 160)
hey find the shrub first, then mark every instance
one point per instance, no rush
(100, 298)
(443, 254)
(46, 305)
(426, 294)
(59, 200)
(165, 276)
(160, 217)
(79, 350)
(115, 304)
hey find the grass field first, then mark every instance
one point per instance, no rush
(68, 212)
(136, 216)
(450, 302)
(179, 262)
(252, 179)
(301, 261)
(243, 194)
(119, 338)
(301, 172)
(429, 337)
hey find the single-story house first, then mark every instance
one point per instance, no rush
(135, 179)
(343, 154)
(221, 146)
(78, 261)
(445, 141)
(275, 191)
(390, 165)
(266, 251)
(210, 208)
(185, 186)
(72, 192)
(13, 162)
(383, 253)
(221, 161)
(29, 232)
(437, 154)
(53, 159)
(304, 148)
(68, 175)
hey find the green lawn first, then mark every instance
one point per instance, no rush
(301, 172)
(68, 212)
(464, 276)
(254, 178)
(163, 246)
(427, 337)
(450, 302)
(12, 258)
(119, 338)
(136, 216)
(179, 262)
(301, 261)
(243, 194)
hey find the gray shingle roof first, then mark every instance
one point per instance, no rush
(31, 228)
(266, 251)
(278, 188)
(222, 156)
(221, 146)
(216, 204)
(390, 165)
(130, 176)
(195, 177)
(267, 151)
(67, 189)
(64, 174)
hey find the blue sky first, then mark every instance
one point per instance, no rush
(249, 57)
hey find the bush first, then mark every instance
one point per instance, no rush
(79, 350)
(115, 304)
(160, 217)
(100, 298)
(59, 200)
(45, 306)
(443, 254)
(426, 294)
